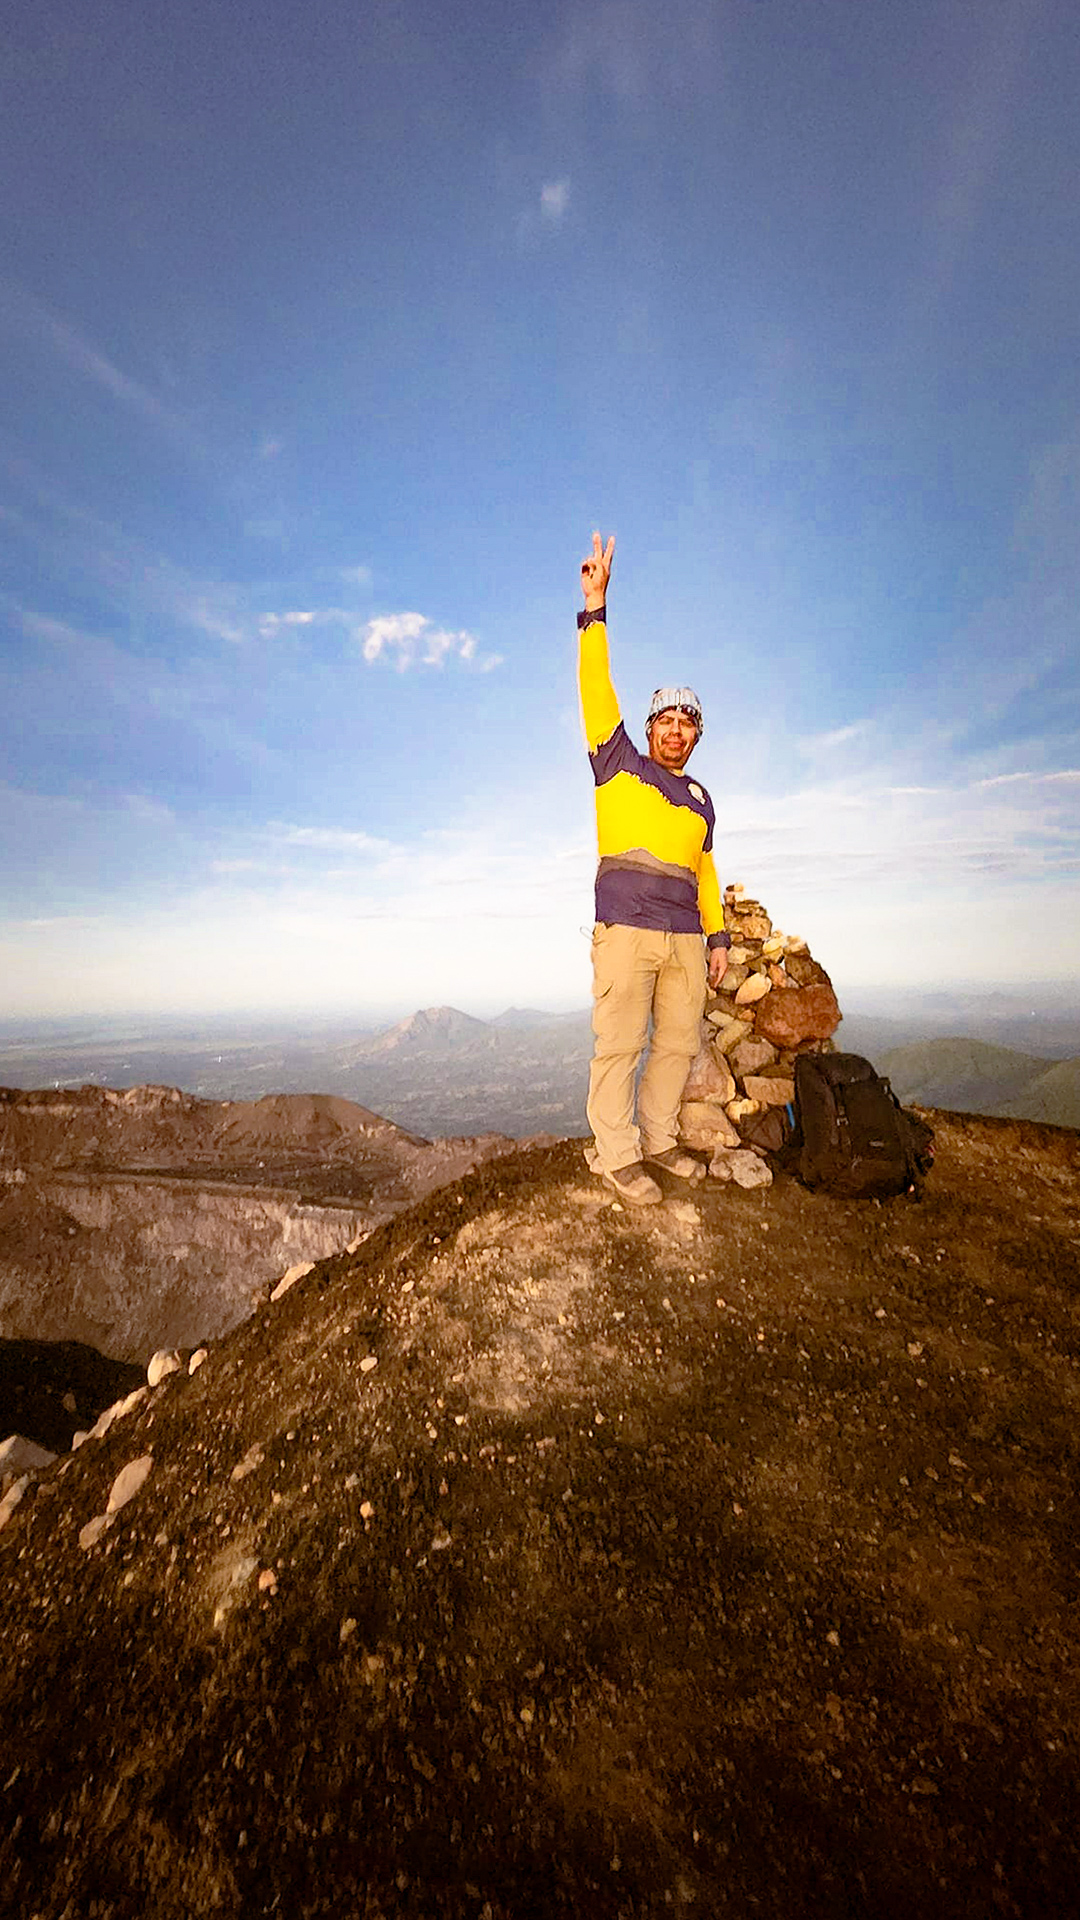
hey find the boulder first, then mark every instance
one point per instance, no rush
(751, 1055)
(766, 1132)
(706, 1127)
(769, 1092)
(20, 1456)
(754, 988)
(165, 1361)
(730, 1032)
(747, 1169)
(710, 1078)
(723, 1009)
(753, 924)
(804, 969)
(787, 1019)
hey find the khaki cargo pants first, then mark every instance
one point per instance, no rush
(640, 975)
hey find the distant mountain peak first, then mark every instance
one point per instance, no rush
(433, 1029)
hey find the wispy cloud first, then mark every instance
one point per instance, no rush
(554, 200)
(32, 321)
(815, 743)
(411, 639)
(140, 586)
(544, 214)
(1066, 775)
(972, 142)
(329, 839)
(636, 53)
(885, 884)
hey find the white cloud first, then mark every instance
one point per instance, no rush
(151, 812)
(390, 630)
(1068, 775)
(270, 624)
(411, 639)
(42, 627)
(840, 737)
(959, 882)
(337, 839)
(554, 200)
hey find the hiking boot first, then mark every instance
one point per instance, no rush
(682, 1165)
(634, 1185)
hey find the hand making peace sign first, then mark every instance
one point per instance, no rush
(596, 572)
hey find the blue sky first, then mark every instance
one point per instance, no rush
(328, 335)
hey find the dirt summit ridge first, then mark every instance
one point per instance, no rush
(544, 1558)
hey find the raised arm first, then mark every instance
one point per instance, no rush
(599, 702)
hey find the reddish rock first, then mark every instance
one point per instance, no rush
(787, 1019)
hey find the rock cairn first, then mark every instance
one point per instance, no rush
(776, 1002)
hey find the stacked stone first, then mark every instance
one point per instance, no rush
(776, 1002)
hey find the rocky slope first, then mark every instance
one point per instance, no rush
(541, 1558)
(149, 1218)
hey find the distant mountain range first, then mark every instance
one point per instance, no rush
(441, 1071)
(433, 1073)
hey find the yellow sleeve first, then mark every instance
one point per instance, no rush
(710, 906)
(599, 702)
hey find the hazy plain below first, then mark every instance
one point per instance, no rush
(441, 1071)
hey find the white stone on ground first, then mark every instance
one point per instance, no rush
(93, 1530)
(747, 1169)
(252, 1459)
(290, 1278)
(12, 1497)
(117, 1411)
(128, 1481)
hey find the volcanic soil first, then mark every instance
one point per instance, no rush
(149, 1218)
(545, 1558)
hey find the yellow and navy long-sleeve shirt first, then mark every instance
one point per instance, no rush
(654, 828)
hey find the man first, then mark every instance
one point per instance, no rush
(656, 895)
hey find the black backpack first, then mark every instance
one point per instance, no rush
(852, 1136)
